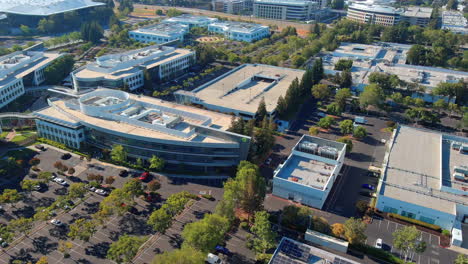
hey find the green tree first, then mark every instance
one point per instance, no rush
(298, 60)
(345, 79)
(334, 109)
(172, 12)
(42, 213)
(185, 255)
(21, 225)
(125, 249)
(82, 229)
(118, 154)
(160, 220)
(354, 231)
(346, 127)
(133, 187)
(43, 260)
(281, 107)
(348, 142)
(341, 96)
(397, 98)
(359, 132)
(406, 239)
(205, 234)
(326, 122)
(261, 111)
(264, 235)
(461, 259)
(117, 202)
(77, 190)
(452, 5)
(159, 12)
(386, 81)
(313, 130)
(92, 31)
(60, 68)
(253, 186)
(317, 71)
(343, 64)
(440, 104)
(321, 91)
(372, 95)
(28, 185)
(10, 196)
(464, 121)
(419, 102)
(25, 30)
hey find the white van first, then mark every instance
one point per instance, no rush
(213, 259)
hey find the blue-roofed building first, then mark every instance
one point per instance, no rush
(240, 31)
(290, 251)
(307, 176)
(160, 33)
(191, 20)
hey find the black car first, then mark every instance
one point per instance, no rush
(66, 156)
(366, 194)
(123, 173)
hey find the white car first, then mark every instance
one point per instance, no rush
(101, 192)
(61, 181)
(378, 243)
(56, 222)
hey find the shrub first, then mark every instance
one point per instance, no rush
(390, 124)
(110, 180)
(208, 197)
(35, 168)
(244, 225)
(377, 253)
(34, 161)
(71, 171)
(416, 222)
(445, 232)
(153, 185)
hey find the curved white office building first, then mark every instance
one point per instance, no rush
(185, 137)
(374, 14)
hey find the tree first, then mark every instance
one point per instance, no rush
(345, 79)
(64, 247)
(77, 190)
(440, 104)
(321, 91)
(205, 234)
(397, 98)
(338, 230)
(92, 31)
(452, 5)
(156, 163)
(298, 60)
(82, 229)
(110, 180)
(386, 81)
(264, 235)
(359, 132)
(341, 96)
(133, 187)
(10, 196)
(313, 130)
(185, 255)
(118, 202)
(281, 107)
(406, 240)
(461, 259)
(253, 186)
(343, 64)
(21, 225)
(317, 71)
(348, 142)
(261, 111)
(346, 127)
(419, 102)
(159, 12)
(160, 220)
(60, 68)
(124, 249)
(326, 122)
(25, 30)
(334, 109)
(153, 185)
(28, 185)
(372, 95)
(118, 154)
(354, 231)
(43, 260)
(362, 205)
(172, 12)
(464, 121)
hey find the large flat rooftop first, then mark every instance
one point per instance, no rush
(139, 116)
(238, 26)
(415, 169)
(163, 29)
(417, 11)
(244, 87)
(44, 7)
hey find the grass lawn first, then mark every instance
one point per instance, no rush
(4, 134)
(22, 136)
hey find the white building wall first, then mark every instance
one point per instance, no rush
(11, 91)
(154, 37)
(135, 80)
(70, 137)
(178, 64)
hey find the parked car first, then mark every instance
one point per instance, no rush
(367, 194)
(100, 192)
(144, 176)
(268, 161)
(90, 188)
(39, 187)
(3, 243)
(378, 243)
(61, 181)
(213, 259)
(56, 222)
(368, 186)
(373, 174)
(40, 147)
(223, 250)
(123, 173)
(321, 114)
(66, 156)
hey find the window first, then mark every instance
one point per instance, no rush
(408, 214)
(427, 219)
(389, 209)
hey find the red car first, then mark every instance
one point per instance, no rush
(144, 176)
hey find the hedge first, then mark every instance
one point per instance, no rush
(416, 222)
(61, 146)
(377, 253)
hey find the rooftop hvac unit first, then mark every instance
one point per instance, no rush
(461, 169)
(456, 145)
(464, 148)
(328, 152)
(308, 147)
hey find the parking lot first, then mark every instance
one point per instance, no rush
(43, 240)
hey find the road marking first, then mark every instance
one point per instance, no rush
(388, 223)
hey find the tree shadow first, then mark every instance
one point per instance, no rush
(59, 232)
(131, 224)
(24, 256)
(98, 250)
(84, 261)
(237, 258)
(42, 202)
(176, 240)
(61, 191)
(26, 212)
(41, 245)
(91, 208)
(74, 179)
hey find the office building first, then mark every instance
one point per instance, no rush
(290, 251)
(42, 8)
(307, 176)
(240, 90)
(127, 69)
(187, 138)
(233, 6)
(424, 177)
(389, 58)
(191, 20)
(287, 9)
(240, 31)
(455, 22)
(160, 33)
(21, 69)
(374, 14)
(416, 15)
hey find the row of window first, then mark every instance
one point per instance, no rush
(11, 92)
(426, 219)
(42, 127)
